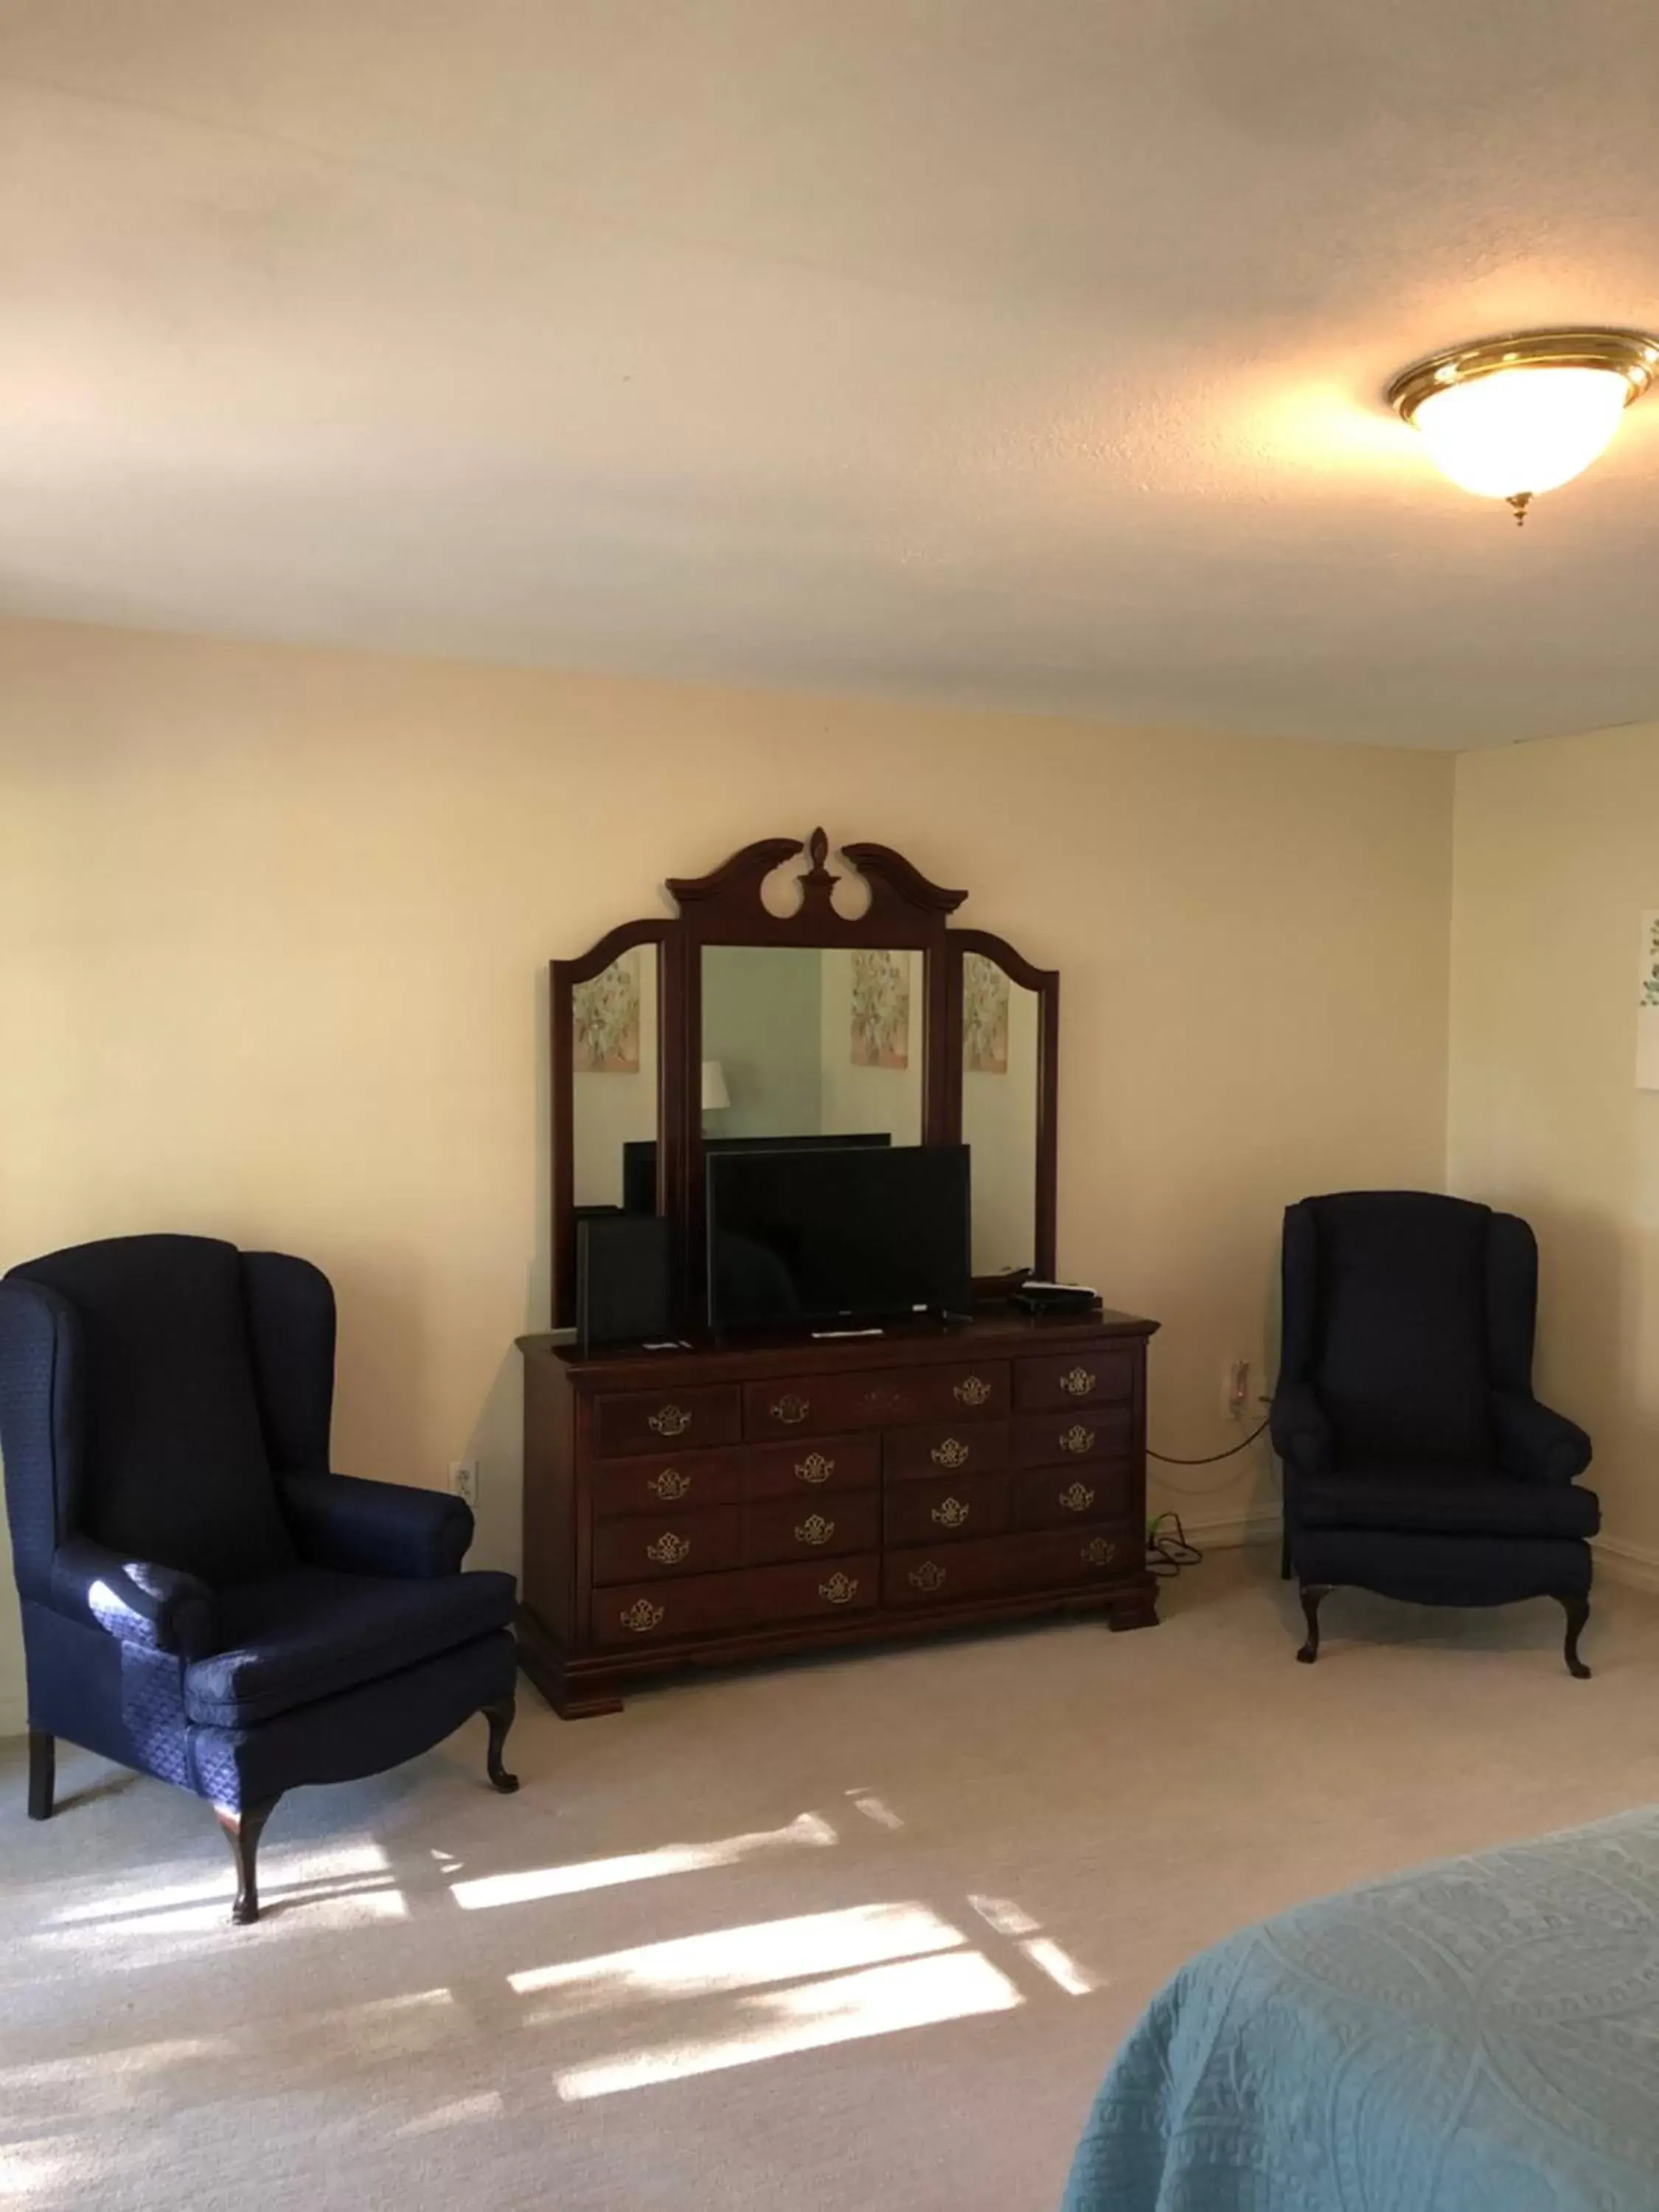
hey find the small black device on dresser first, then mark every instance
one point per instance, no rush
(826, 1390)
(624, 1279)
(1036, 1298)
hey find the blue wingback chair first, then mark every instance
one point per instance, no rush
(1417, 1462)
(203, 1598)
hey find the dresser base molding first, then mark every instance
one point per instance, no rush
(580, 1689)
(733, 1501)
(1135, 1608)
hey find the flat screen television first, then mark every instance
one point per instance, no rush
(829, 1236)
(640, 1159)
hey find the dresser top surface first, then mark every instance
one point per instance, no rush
(1003, 1335)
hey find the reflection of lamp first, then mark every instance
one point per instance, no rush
(715, 1093)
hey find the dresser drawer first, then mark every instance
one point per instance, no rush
(669, 1543)
(944, 1574)
(1060, 1496)
(776, 1529)
(945, 1447)
(877, 1398)
(636, 1615)
(946, 1510)
(1076, 1378)
(811, 1466)
(640, 1420)
(666, 1478)
(1094, 1432)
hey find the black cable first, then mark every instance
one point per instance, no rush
(1167, 1555)
(1210, 1458)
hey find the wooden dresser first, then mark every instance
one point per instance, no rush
(736, 1501)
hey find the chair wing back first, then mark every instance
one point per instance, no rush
(39, 1431)
(1390, 1313)
(290, 1311)
(155, 1388)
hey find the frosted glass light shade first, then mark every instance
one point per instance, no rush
(1523, 429)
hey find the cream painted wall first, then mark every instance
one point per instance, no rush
(1556, 855)
(276, 924)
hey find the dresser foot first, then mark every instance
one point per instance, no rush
(585, 1705)
(1134, 1609)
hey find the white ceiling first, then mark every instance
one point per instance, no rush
(1020, 352)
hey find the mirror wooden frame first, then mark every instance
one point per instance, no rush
(905, 911)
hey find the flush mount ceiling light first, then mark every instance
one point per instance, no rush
(1510, 418)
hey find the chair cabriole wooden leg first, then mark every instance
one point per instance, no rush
(499, 1717)
(1575, 1606)
(1312, 1594)
(43, 1773)
(242, 1832)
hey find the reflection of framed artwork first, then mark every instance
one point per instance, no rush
(1647, 1006)
(605, 1018)
(984, 1015)
(881, 1009)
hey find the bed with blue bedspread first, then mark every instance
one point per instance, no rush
(1480, 2036)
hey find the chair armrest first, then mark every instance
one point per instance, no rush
(1301, 1430)
(376, 1527)
(1536, 1444)
(160, 1608)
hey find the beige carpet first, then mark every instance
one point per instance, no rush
(855, 1935)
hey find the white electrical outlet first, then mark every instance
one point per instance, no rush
(464, 1480)
(1238, 1388)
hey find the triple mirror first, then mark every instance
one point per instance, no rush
(767, 1013)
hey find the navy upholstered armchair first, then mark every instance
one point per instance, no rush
(203, 1598)
(1417, 1461)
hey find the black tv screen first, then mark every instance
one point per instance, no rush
(844, 1236)
(640, 1158)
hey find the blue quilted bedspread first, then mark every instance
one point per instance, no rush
(1482, 2036)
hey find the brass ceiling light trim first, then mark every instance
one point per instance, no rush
(1509, 418)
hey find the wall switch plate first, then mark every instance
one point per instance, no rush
(1238, 1388)
(464, 1480)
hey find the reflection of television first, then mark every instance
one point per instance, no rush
(832, 1236)
(640, 1159)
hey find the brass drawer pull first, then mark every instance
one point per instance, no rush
(817, 1530)
(840, 1589)
(1077, 1499)
(642, 1616)
(1098, 1552)
(1077, 1383)
(952, 1513)
(927, 1575)
(971, 1391)
(949, 1454)
(791, 1410)
(669, 1421)
(669, 1549)
(814, 1467)
(671, 1483)
(1076, 1438)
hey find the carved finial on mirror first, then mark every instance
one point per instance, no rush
(818, 885)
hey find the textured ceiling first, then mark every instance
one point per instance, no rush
(1019, 352)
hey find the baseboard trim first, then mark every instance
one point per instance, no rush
(14, 1716)
(1636, 1565)
(1228, 1530)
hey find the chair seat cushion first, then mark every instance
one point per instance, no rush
(1448, 1503)
(313, 1632)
